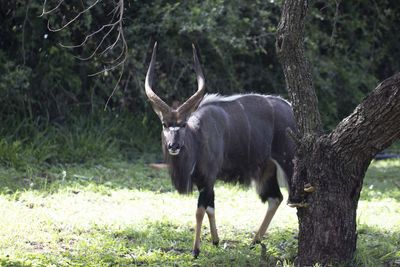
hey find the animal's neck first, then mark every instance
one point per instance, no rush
(182, 166)
(188, 153)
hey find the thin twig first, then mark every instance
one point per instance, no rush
(99, 45)
(115, 87)
(114, 25)
(111, 46)
(73, 19)
(110, 68)
(44, 12)
(88, 36)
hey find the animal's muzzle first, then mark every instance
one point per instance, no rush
(173, 148)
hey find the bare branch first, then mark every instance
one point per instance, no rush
(107, 31)
(111, 46)
(379, 111)
(98, 46)
(123, 52)
(115, 87)
(44, 12)
(88, 36)
(110, 68)
(73, 19)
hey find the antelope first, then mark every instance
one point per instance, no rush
(239, 138)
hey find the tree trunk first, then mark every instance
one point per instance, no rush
(333, 164)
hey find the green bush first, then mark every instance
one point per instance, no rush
(93, 139)
(52, 111)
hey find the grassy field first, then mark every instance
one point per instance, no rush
(123, 214)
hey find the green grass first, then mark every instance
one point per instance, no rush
(125, 214)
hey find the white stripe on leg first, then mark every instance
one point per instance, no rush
(213, 227)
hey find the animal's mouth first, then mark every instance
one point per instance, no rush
(174, 152)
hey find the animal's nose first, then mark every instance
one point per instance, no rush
(173, 146)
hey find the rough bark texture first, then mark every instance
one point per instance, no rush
(334, 164)
(297, 71)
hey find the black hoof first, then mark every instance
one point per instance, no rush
(195, 253)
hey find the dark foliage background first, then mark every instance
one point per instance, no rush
(46, 93)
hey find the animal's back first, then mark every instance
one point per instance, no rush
(246, 126)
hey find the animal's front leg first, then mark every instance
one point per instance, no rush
(205, 204)
(197, 231)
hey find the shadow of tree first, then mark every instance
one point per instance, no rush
(6, 261)
(163, 243)
(114, 175)
(382, 179)
(377, 247)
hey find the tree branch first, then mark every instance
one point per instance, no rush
(44, 12)
(73, 19)
(369, 129)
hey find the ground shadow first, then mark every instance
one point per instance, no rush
(381, 181)
(114, 175)
(163, 243)
(377, 247)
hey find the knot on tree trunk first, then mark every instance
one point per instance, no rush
(301, 185)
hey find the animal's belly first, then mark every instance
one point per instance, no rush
(238, 175)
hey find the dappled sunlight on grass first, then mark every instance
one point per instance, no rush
(129, 226)
(241, 207)
(128, 214)
(374, 213)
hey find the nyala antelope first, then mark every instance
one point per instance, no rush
(240, 138)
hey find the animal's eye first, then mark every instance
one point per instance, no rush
(183, 125)
(164, 125)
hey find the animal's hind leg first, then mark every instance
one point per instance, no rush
(268, 190)
(213, 226)
(273, 204)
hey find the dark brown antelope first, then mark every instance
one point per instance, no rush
(240, 138)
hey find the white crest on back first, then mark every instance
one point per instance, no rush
(212, 98)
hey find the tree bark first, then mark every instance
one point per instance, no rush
(335, 163)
